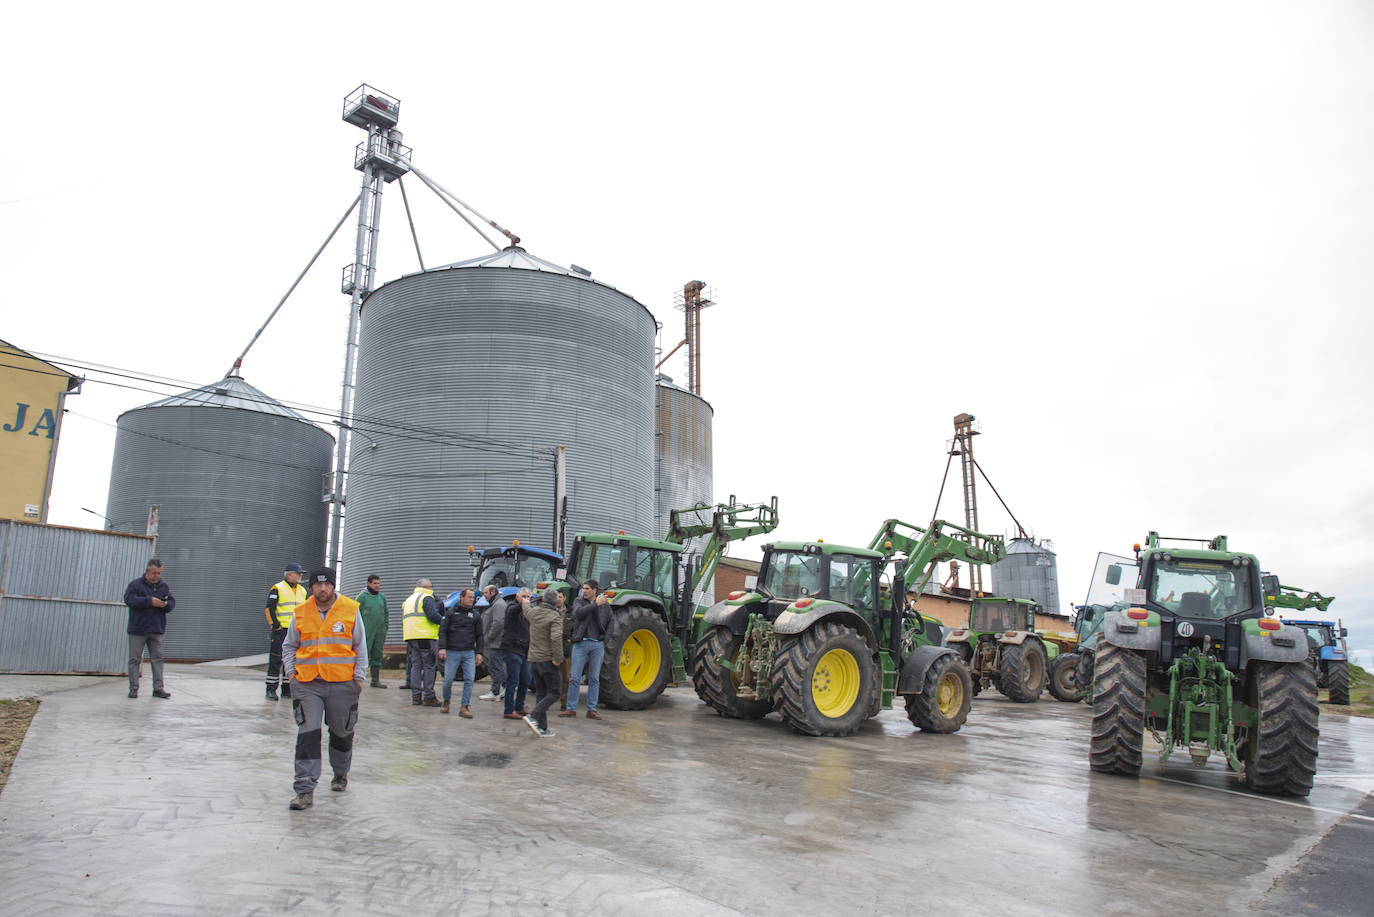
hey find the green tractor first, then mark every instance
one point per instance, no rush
(651, 586)
(819, 640)
(1002, 649)
(1195, 658)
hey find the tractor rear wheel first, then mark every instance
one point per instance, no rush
(1281, 755)
(942, 706)
(1022, 671)
(1062, 684)
(639, 659)
(1118, 711)
(715, 684)
(1338, 683)
(824, 680)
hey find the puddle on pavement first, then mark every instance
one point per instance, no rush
(485, 759)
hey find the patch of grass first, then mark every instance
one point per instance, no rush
(1361, 692)
(15, 716)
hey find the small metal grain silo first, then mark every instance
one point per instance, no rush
(682, 451)
(469, 376)
(238, 477)
(1029, 571)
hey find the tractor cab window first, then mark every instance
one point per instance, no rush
(788, 575)
(604, 563)
(997, 615)
(534, 570)
(508, 570)
(654, 571)
(498, 572)
(851, 581)
(1200, 588)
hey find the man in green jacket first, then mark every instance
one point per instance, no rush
(372, 605)
(546, 655)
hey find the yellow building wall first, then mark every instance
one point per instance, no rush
(30, 413)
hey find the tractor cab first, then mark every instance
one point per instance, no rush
(512, 567)
(800, 571)
(622, 563)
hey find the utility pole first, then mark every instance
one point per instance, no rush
(382, 159)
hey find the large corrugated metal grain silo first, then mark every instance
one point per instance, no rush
(468, 377)
(237, 477)
(682, 451)
(1029, 571)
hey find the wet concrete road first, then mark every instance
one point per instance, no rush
(179, 807)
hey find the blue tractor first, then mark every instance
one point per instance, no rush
(509, 569)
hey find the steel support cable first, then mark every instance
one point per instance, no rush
(1019, 530)
(440, 189)
(292, 465)
(400, 183)
(378, 425)
(233, 370)
(949, 461)
(438, 192)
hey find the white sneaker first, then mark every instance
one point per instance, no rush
(488, 697)
(534, 727)
(547, 734)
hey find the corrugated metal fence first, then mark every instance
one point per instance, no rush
(61, 597)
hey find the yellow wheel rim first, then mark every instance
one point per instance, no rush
(640, 658)
(949, 694)
(835, 683)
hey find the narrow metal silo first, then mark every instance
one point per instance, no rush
(238, 478)
(1029, 571)
(682, 451)
(468, 377)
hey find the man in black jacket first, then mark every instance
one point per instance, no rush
(591, 617)
(149, 600)
(515, 646)
(460, 644)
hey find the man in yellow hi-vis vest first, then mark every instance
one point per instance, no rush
(283, 599)
(421, 616)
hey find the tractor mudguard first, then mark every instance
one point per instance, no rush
(1270, 649)
(729, 614)
(792, 622)
(1016, 638)
(958, 635)
(1119, 630)
(1329, 653)
(913, 677)
(635, 597)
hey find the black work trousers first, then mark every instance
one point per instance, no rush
(544, 677)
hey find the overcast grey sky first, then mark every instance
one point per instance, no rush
(1133, 239)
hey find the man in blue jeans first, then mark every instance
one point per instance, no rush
(460, 644)
(591, 616)
(515, 646)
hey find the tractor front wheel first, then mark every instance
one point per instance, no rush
(715, 684)
(1338, 683)
(942, 706)
(1062, 684)
(639, 659)
(1281, 755)
(1118, 711)
(824, 680)
(1022, 672)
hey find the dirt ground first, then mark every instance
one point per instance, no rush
(15, 716)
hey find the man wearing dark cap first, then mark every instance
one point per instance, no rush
(282, 601)
(546, 655)
(325, 654)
